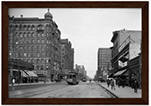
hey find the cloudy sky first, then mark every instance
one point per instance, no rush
(87, 29)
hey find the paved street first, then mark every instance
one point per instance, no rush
(61, 90)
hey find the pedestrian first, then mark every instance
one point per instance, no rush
(90, 80)
(118, 82)
(13, 81)
(108, 83)
(113, 84)
(135, 85)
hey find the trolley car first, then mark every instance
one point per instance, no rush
(72, 78)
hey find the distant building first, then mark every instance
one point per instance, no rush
(36, 41)
(67, 56)
(126, 46)
(80, 69)
(104, 63)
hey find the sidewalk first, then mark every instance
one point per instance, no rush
(19, 84)
(22, 86)
(125, 92)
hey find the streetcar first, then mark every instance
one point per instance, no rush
(72, 78)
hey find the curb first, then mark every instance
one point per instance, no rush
(109, 92)
(26, 84)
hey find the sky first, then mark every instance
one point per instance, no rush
(87, 29)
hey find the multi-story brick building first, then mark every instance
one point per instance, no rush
(67, 56)
(126, 46)
(36, 41)
(104, 63)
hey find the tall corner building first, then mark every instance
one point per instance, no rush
(36, 41)
(126, 54)
(104, 63)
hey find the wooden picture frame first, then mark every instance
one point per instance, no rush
(145, 32)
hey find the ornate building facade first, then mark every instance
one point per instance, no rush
(36, 41)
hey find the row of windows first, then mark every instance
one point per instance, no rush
(35, 48)
(30, 48)
(29, 41)
(37, 61)
(25, 55)
(25, 27)
(32, 34)
(35, 55)
(30, 27)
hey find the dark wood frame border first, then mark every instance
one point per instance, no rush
(112, 4)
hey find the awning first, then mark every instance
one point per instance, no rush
(120, 72)
(31, 73)
(24, 74)
(13, 69)
(124, 57)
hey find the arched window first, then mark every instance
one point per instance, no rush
(40, 27)
(16, 27)
(32, 34)
(32, 27)
(20, 27)
(28, 27)
(25, 27)
(21, 34)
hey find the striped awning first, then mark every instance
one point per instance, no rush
(31, 73)
(120, 72)
(24, 74)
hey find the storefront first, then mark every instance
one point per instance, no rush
(15, 70)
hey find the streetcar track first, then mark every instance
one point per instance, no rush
(36, 92)
(51, 89)
(46, 92)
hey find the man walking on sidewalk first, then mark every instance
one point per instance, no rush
(135, 85)
(108, 82)
(13, 82)
(113, 84)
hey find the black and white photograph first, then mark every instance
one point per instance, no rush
(75, 53)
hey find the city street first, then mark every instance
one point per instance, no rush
(42, 57)
(62, 90)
